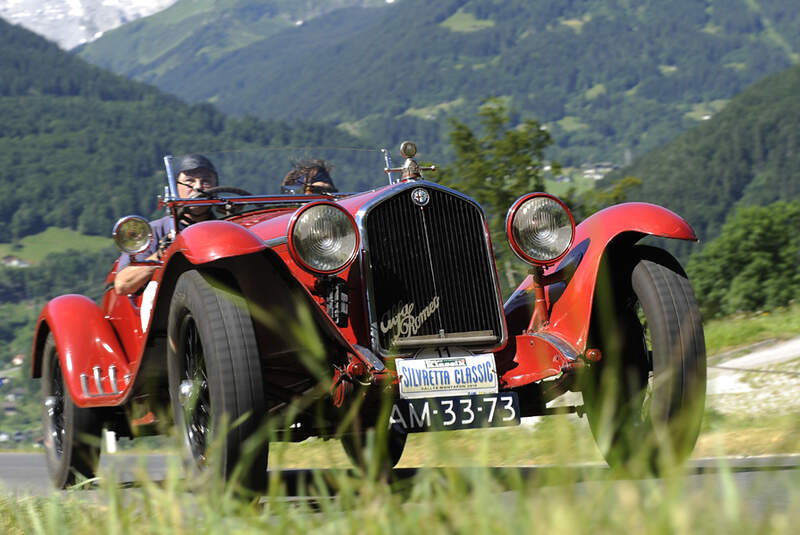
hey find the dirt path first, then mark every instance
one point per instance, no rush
(763, 380)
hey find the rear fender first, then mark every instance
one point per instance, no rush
(571, 309)
(93, 363)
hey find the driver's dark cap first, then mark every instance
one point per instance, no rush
(190, 162)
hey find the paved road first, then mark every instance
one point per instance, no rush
(27, 472)
(765, 483)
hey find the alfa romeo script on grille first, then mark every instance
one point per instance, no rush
(447, 376)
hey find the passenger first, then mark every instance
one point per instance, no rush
(312, 176)
(195, 174)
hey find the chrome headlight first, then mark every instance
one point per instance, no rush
(132, 234)
(323, 238)
(540, 228)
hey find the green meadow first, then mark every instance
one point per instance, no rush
(33, 249)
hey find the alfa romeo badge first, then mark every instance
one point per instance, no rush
(420, 197)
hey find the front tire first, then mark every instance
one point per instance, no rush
(645, 399)
(71, 433)
(215, 380)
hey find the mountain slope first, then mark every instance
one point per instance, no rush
(80, 146)
(198, 31)
(748, 154)
(72, 22)
(610, 79)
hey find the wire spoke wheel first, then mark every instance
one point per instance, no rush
(194, 395)
(71, 433)
(215, 381)
(54, 409)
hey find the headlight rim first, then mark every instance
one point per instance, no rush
(298, 258)
(510, 235)
(117, 229)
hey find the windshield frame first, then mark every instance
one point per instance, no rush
(295, 154)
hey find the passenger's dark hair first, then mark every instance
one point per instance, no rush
(310, 171)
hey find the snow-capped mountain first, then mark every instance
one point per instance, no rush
(73, 22)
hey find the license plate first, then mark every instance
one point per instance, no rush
(459, 412)
(447, 376)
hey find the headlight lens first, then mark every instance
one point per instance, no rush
(540, 228)
(323, 238)
(132, 234)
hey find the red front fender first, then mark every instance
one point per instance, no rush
(85, 340)
(569, 317)
(570, 314)
(212, 240)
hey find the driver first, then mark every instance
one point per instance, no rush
(195, 174)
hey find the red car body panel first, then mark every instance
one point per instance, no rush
(122, 311)
(85, 339)
(538, 357)
(216, 239)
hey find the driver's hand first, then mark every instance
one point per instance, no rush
(163, 244)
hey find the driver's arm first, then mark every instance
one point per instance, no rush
(131, 278)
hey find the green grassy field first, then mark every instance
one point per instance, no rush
(578, 182)
(34, 248)
(727, 333)
(462, 21)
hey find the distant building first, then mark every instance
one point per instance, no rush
(14, 261)
(15, 395)
(597, 171)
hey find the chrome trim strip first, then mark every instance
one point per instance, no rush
(387, 158)
(98, 379)
(370, 356)
(96, 371)
(366, 279)
(112, 377)
(455, 338)
(274, 242)
(171, 179)
(559, 344)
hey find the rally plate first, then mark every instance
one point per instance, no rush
(459, 412)
(447, 376)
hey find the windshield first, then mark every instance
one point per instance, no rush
(281, 170)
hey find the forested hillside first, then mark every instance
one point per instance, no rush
(80, 147)
(748, 154)
(611, 79)
(752, 264)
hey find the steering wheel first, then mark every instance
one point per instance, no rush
(211, 192)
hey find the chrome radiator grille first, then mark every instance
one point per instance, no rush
(432, 276)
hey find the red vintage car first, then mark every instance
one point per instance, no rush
(376, 314)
